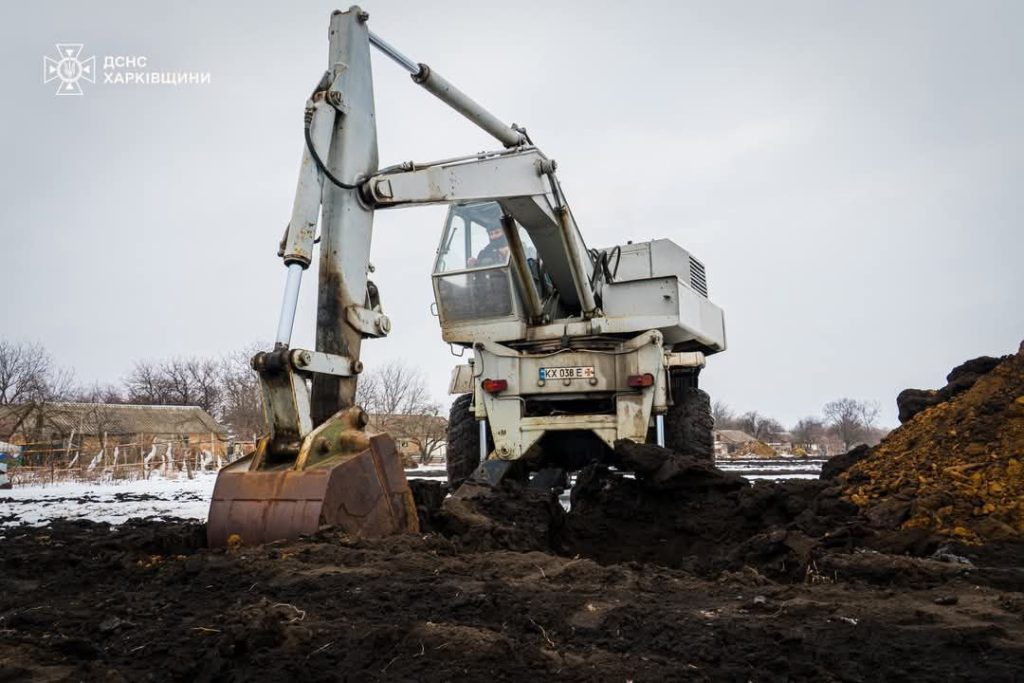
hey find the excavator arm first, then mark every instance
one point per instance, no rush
(316, 465)
(523, 182)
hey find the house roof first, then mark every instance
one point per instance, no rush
(96, 418)
(735, 436)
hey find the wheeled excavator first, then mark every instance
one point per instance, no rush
(573, 348)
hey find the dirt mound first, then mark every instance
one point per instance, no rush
(957, 467)
(510, 516)
(755, 449)
(82, 602)
(678, 511)
(653, 506)
(838, 464)
(670, 509)
(698, 527)
(961, 378)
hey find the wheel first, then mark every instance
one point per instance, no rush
(688, 423)
(463, 451)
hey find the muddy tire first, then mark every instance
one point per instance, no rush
(688, 423)
(463, 452)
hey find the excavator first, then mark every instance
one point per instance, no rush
(573, 348)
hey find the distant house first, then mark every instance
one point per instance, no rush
(782, 442)
(736, 443)
(89, 426)
(731, 439)
(418, 437)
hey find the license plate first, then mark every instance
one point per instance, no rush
(579, 372)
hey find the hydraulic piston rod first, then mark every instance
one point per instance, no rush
(286, 321)
(436, 85)
(400, 59)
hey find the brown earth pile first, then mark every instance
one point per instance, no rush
(961, 378)
(654, 506)
(757, 449)
(955, 468)
(680, 511)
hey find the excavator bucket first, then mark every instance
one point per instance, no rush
(365, 493)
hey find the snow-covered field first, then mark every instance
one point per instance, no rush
(774, 468)
(114, 502)
(118, 501)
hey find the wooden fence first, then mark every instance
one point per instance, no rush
(43, 463)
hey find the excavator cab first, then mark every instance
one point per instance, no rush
(473, 279)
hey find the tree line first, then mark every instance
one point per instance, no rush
(843, 423)
(395, 394)
(225, 387)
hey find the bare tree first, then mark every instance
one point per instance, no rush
(809, 430)
(724, 416)
(146, 385)
(397, 398)
(23, 372)
(241, 402)
(427, 432)
(176, 382)
(852, 420)
(395, 389)
(29, 382)
(99, 393)
(204, 376)
(759, 426)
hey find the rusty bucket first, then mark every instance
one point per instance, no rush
(363, 493)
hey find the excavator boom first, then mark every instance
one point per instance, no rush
(316, 465)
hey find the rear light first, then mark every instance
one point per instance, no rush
(640, 381)
(493, 386)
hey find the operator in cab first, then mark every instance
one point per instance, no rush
(496, 251)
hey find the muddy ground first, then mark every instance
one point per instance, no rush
(768, 592)
(903, 562)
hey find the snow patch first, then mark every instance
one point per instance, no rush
(114, 502)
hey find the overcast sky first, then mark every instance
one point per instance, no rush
(850, 174)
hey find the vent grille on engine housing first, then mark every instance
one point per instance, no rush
(698, 279)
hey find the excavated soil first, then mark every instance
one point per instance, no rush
(679, 571)
(145, 601)
(904, 562)
(956, 466)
